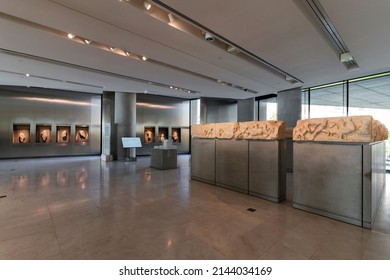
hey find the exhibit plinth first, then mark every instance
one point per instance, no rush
(339, 180)
(231, 165)
(203, 160)
(267, 169)
(247, 157)
(164, 159)
(340, 167)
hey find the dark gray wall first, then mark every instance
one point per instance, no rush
(218, 110)
(34, 107)
(163, 114)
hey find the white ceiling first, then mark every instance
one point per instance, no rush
(280, 32)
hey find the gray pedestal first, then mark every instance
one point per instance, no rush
(267, 172)
(164, 158)
(338, 180)
(203, 160)
(231, 164)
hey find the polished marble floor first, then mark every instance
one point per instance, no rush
(82, 208)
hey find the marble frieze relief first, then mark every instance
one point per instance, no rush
(257, 130)
(340, 129)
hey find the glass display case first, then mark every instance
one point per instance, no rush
(176, 134)
(21, 134)
(162, 134)
(43, 133)
(63, 134)
(149, 134)
(82, 134)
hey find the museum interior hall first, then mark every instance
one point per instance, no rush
(194, 130)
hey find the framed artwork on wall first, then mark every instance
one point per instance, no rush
(82, 134)
(43, 133)
(63, 133)
(176, 134)
(21, 134)
(162, 134)
(149, 134)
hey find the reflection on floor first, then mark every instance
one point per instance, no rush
(82, 208)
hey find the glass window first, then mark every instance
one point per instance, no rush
(268, 109)
(305, 104)
(371, 96)
(328, 101)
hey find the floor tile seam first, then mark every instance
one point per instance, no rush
(269, 249)
(268, 241)
(25, 234)
(54, 228)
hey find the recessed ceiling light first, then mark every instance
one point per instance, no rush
(144, 58)
(71, 36)
(87, 41)
(27, 75)
(147, 5)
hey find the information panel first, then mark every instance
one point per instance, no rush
(131, 142)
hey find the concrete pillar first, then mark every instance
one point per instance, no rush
(246, 110)
(108, 126)
(125, 122)
(290, 111)
(290, 106)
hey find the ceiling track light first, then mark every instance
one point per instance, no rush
(71, 36)
(317, 13)
(144, 58)
(180, 21)
(87, 41)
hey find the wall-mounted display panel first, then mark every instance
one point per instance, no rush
(163, 112)
(45, 111)
(162, 134)
(21, 134)
(82, 134)
(149, 134)
(63, 133)
(43, 133)
(176, 134)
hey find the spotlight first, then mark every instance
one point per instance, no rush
(147, 5)
(171, 18)
(71, 36)
(208, 37)
(87, 41)
(144, 58)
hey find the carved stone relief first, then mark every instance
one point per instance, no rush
(341, 129)
(269, 130)
(203, 130)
